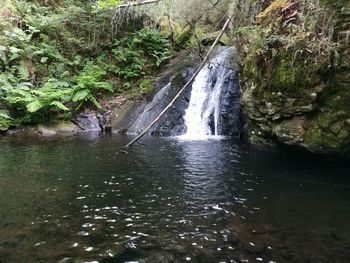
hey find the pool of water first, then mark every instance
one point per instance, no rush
(86, 199)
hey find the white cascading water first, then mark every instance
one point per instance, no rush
(204, 105)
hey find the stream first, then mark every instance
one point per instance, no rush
(84, 199)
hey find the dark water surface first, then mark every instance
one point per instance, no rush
(82, 199)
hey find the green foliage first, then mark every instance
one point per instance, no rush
(130, 61)
(58, 58)
(5, 120)
(247, 30)
(38, 104)
(138, 53)
(288, 56)
(153, 44)
(90, 83)
(107, 3)
(132, 53)
(146, 86)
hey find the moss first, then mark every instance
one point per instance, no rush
(301, 68)
(329, 131)
(283, 66)
(178, 35)
(337, 98)
(275, 7)
(169, 28)
(335, 3)
(206, 36)
(291, 77)
(184, 37)
(146, 86)
(253, 62)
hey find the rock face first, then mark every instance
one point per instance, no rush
(230, 109)
(90, 121)
(130, 117)
(171, 123)
(296, 85)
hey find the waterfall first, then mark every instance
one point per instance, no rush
(212, 90)
(211, 109)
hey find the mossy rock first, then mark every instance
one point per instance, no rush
(335, 3)
(178, 35)
(283, 69)
(329, 132)
(185, 35)
(59, 127)
(210, 38)
(291, 131)
(206, 36)
(169, 28)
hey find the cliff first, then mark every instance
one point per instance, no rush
(296, 78)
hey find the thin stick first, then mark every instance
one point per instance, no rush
(136, 3)
(186, 85)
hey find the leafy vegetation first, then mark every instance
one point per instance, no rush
(90, 82)
(56, 59)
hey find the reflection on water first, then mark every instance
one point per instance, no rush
(84, 198)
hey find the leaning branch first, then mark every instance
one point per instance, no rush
(136, 3)
(205, 59)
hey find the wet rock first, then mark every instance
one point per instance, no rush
(231, 123)
(88, 122)
(177, 71)
(176, 249)
(286, 254)
(120, 118)
(172, 122)
(159, 257)
(3, 133)
(27, 130)
(254, 247)
(149, 243)
(233, 238)
(67, 260)
(46, 131)
(291, 132)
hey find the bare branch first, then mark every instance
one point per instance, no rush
(137, 3)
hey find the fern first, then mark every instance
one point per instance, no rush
(48, 97)
(5, 120)
(90, 83)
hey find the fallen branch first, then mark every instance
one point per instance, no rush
(123, 12)
(187, 83)
(136, 3)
